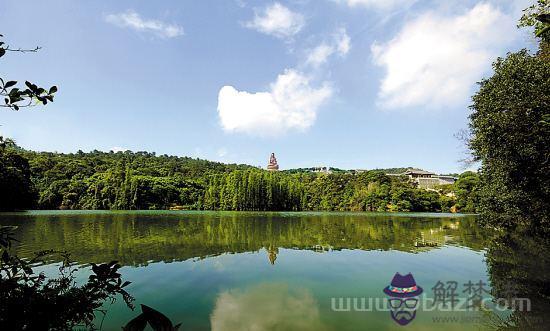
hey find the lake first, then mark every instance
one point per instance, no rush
(301, 271)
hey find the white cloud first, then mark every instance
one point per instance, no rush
(435, 60)
(378, 4)
(320, 54)
(277, 20)
(343, 42)
(290, 103)
(131, 19)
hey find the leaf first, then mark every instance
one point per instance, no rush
(2, 52)
(137, 324)
(10, 83)
(157, 320)
(53, 89)
(543, 31)
(5, 257)
(544, 18)
(125, 284)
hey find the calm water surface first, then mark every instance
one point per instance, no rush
(281, 271)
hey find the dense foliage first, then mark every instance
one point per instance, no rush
(511, 134)
(122, 180)
(31, 301)
(127, 180)
(254, 189)
(16, 189)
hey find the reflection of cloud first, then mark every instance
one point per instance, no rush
(266, 307)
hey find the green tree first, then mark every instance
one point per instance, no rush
(466, 190)
(510, 136)
(16, 188)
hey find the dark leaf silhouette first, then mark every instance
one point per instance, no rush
(10, 84)
(157, 320)
(137, 324)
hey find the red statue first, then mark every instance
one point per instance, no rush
(273, 166)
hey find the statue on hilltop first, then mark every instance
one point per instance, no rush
(273, 166)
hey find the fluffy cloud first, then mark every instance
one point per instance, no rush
(277, 20)
(378, 4)
(434, 60)
(290, 103)
(320, 54)
(266, 307)
(132, 20)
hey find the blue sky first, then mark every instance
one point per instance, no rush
(344, 83)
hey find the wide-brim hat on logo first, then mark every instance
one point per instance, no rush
(403, 286)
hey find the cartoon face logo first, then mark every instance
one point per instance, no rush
(403, 302)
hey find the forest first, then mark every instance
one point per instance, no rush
(141, 180)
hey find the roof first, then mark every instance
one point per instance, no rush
(418, 172)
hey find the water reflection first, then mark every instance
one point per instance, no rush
(519, 267)
(288, 281)
(138, 239)
(266, 306)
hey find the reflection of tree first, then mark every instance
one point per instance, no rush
(519, 267)
(135, 239)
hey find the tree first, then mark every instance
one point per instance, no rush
(538, 16)
(465, 189)
(510, 136)
(16, 189)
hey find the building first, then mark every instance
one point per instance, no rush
(418, 173)
(426, 179)
(322, 169)
(272, 165)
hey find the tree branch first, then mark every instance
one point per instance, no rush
(21, 50)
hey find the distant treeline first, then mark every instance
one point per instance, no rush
(140, 180)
